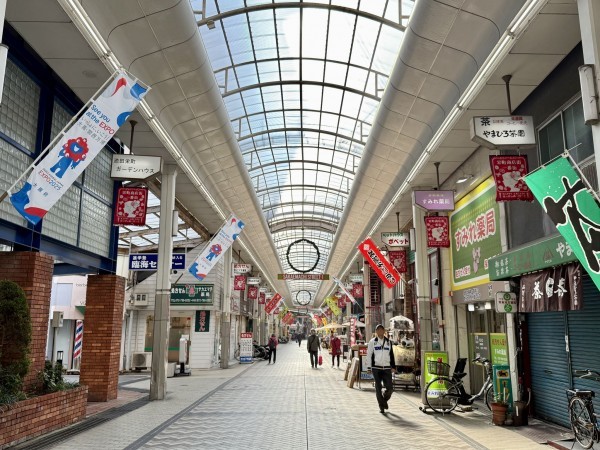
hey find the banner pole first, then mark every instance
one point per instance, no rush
(583, 177)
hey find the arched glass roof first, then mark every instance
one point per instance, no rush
(302, 81)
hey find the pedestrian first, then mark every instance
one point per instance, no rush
(380, 360)
(299, 336)
(273, 348)
(313, 345)
(336, 350)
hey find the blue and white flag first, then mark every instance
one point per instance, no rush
(219, 244)
(77, 148)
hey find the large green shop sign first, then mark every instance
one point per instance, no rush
(192, 294)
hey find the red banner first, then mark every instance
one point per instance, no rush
(131, 206)
(252, 292)
(272, 304)
(261, 298)
(341, 302)
(358, 290)
(239, 283)
(437, 231)
(382, 267)
(398, 260)
(319, 320)
(289, 318)
(508, 172)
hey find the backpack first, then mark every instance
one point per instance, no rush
(272, 343)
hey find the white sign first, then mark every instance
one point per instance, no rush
(255, 280)
(506, 302)
(246, 348)
(356, 277)
(262, 289)
(505, 131)
(240, 269)
(133, 167)
(395, 239)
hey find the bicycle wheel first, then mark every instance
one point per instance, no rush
(442, 395)
(236, 354)
(488, 397)
(581, 422)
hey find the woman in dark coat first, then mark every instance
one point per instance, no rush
(336, 350)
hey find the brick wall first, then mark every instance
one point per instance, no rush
(33, 272)
(102, 336)
(38, 415)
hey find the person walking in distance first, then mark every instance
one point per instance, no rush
(313, 345)
(273, 348)
(380, 360)
(336, 350)
(299, 338)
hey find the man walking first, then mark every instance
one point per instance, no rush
(273, 348)
(313, 345)
(380, 360)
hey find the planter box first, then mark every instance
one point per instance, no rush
(42, 414)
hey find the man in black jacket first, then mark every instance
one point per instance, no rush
(313, 344)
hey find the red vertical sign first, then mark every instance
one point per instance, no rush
(252, 292)
(358, 290)
(382, 267)
(438, 234)
(130, 208)
(398, 260)
(272, 304)
(261, 298)
(239, 283)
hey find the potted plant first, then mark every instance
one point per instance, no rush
(499, 407)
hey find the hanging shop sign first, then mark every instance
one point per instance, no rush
(356, 277)
(358, 290)
(192, 294)
(508, 173)
(303, 276)
(438, 231)
(134, 167)
(149, 261)
(544, 253)
(557, 289)
(261, 298)
(434, 200)
(503, 131)
(499, 349)
(475, 236)
(252, 292)
(333, 305)
(130, 207)
(506, 302)
(382, 267)
(218, 245)
(348, 295)
(240, 269)
(398, 260)
(395, 239)
(273, 303)
(202, 322)
(282, 312)
(254, 280)
(239, 283)
(572, 208)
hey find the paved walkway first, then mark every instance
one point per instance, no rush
(285, 405)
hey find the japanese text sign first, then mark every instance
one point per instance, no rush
(398, 259)
(438, 233)
(253, 280)
(557, 289)
(239, 283)
(333, 306)
(202, 322)
(506, 302)
(130, 208)
(396, 239)
(273, 303)
(239, 269)
(508, 172)
(434, 200)
(134, 167)
(192, 294)
(503, 131)
(149, 261)
(573, 210)
(382, 267)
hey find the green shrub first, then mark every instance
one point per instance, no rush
(51, 379)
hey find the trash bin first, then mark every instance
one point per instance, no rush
(171, 370)
(521, 412)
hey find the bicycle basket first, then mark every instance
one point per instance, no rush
(438, 368)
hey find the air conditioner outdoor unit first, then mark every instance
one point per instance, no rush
(141, 360)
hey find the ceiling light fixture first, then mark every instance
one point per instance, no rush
(464, 178)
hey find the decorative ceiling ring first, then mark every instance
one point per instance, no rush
(303, 301)
(287, 255)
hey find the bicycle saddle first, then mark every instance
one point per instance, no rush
(459, 375)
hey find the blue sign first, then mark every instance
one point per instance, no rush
(149, 261)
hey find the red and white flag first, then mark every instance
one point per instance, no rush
(273, 303)
(382, 267)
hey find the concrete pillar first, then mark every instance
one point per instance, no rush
(33, 272)
(100, 354)
(421, 284)
(226, 309)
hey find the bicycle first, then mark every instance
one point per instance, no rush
(584, 421)
(444, 393)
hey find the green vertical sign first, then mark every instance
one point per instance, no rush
(502, 384)
(573, 210)
(499, 349)
(430, 360)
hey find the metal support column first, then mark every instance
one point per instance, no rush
(226, 309)
(160, 338)
(422, 279)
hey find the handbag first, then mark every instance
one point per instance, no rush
(320, 360)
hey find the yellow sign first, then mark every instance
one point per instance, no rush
(333, 306)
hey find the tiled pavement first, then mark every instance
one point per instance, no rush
(287, 405)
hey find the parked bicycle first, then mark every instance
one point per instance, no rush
(444, 393)
(584, 421)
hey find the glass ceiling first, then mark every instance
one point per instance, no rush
(302, 81)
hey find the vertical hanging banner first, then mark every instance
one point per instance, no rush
(239, 283)
(333, 306)
(358, 290)
(344, 290)
(273, 303)
(388, 274)
(508, 172)
(131, 206)
(574, 211)
(438, 231)
(398, 260)
(213, 251)
(252, 292)
(262, 298)
(77, 148)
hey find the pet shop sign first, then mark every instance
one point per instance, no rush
(77, 147)
(508, 172)
(475, 236)
(503, 131)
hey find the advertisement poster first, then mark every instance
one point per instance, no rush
(131, 205)
(499, 349)
(246, 348)
(438, 233)
(439, 357)
(202, 322)
(508, 173)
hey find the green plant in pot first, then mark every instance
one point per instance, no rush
(499, 408)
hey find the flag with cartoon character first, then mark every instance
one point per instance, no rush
(78, 147)
(213, 251)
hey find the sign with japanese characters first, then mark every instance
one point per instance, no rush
(130, 208)
(382, 267)
(253, 280)
(246, 348)
(438, 231)
(557, 289)
(358, 290)
(506, 302)
(508, 172)
(252, 292)
(202, 322)
(333, 305)
(398, 259)
(240, 269)
(475, 236)
(499, 348)
(356, 277)
(273, 303)
(78, 146)
(134, 167)
(434, 200)
(239, 283)
(149, 261)
(574, 211)
(219, 244)
(395, 239)
(192, 294)
(344, 290)
(261, 298)
(503, 131)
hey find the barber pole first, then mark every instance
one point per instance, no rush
(78, 344)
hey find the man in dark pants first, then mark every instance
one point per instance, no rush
(380, 360)
(313, 345)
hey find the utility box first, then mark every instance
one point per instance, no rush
(57, 319)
